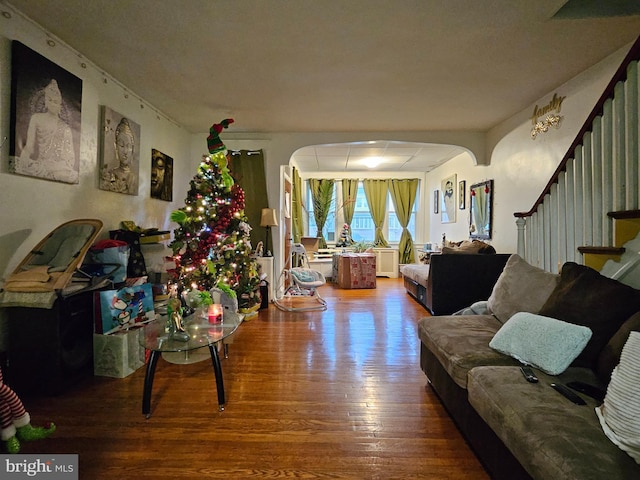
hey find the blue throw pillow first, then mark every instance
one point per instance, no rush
(543, 342)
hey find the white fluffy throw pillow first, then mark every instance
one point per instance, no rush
(544, 342)
(620, 413)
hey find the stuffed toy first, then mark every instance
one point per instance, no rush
(218, 150)
(15, 422)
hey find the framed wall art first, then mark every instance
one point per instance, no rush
(462, 195)
(120, 159)
(448, 203)
(436, 201)
(161, 176)
(46, 111)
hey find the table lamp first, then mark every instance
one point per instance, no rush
(268, 219)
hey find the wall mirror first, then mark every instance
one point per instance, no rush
(481, 204)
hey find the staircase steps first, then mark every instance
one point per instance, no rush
(626, 227)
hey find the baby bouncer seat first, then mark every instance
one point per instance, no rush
(297, 282)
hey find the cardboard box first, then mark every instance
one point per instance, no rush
(355, 270)
(119, 354)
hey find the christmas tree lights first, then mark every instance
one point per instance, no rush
(211, 245)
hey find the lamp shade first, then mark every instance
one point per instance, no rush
(268, 218)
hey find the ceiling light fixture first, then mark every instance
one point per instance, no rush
(373, 162)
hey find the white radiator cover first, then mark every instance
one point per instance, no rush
(387, 262)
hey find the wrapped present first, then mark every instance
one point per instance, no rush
(118, 355)
(355, 270)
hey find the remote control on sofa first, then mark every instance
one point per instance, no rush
(560, 388)
(587, 389)
(528, 374)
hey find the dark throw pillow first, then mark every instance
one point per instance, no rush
(610, 355)
(585, 297)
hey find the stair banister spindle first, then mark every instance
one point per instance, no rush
(605, 176)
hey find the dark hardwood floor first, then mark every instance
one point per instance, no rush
(318, 395)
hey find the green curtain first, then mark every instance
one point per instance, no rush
(403, 195)
(321, 196)
(349, 195)
(247, 168)
(376, 192)
(297, 227)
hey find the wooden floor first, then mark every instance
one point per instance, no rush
(317, 395)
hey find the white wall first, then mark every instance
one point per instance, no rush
(32, 207)
(520, 166)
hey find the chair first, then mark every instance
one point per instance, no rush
(299, 282)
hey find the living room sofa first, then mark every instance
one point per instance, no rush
(524, 430)
(457, 277)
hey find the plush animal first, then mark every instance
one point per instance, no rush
(15, 422)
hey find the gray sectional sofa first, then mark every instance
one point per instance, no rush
(528, 430)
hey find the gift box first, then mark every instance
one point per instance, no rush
(355, 270)
(118, 355)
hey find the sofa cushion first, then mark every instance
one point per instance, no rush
(620, 413)
(520, 288)
(549, 435)
(461, 343)
(546, 343)
(417, 272)
(585, 297)
(610, 355)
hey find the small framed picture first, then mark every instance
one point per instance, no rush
(447, 207)
(436, 201)
(161, 176)
(120, 159)
(462, 194)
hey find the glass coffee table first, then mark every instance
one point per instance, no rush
(199, 334)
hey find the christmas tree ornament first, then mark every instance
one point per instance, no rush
(211, 245)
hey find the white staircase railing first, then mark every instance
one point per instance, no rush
(599, 174)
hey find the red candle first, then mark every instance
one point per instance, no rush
(215, 313)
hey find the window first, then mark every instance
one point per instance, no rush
(329, 230)
(362, 226)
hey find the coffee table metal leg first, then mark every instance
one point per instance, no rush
(148, 383)
(217, 370)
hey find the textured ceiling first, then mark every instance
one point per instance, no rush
(336, 65)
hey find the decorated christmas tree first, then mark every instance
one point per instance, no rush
(211, 246)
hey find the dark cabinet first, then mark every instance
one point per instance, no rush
(50, 349)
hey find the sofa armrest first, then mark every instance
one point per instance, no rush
(457, 281)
